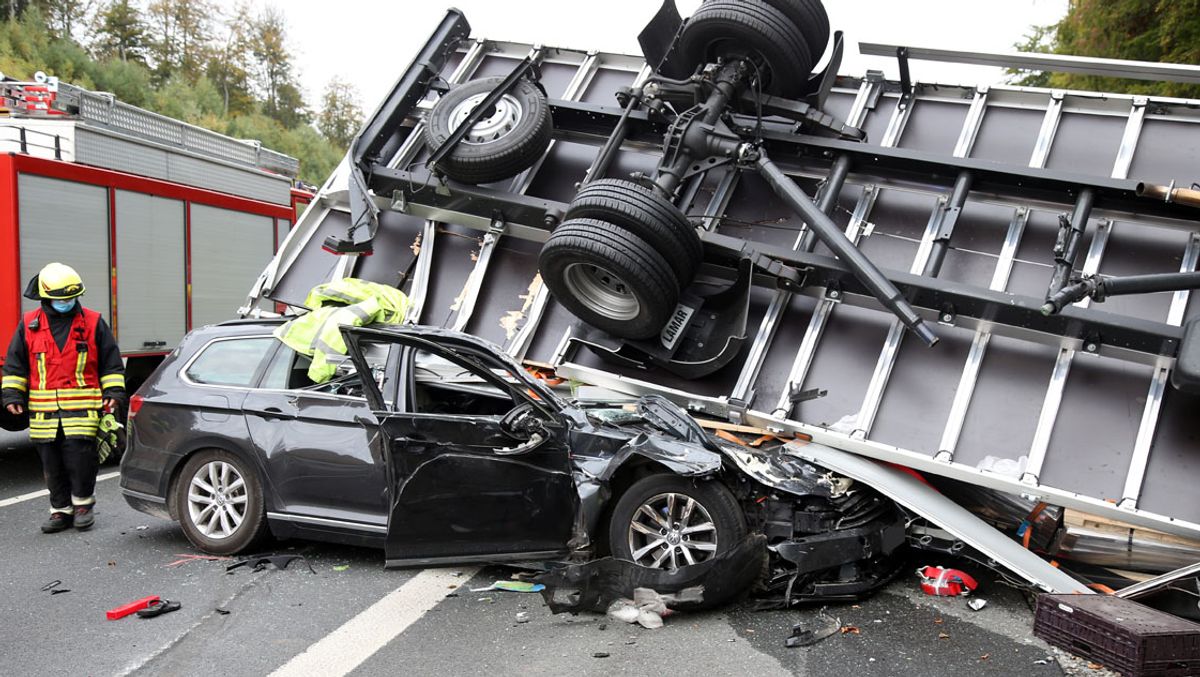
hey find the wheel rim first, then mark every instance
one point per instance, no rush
(503, 119)
(671, 530)
(601, 291)
(217, 500)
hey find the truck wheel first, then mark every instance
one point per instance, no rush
(812, 20)
(609, 278)
(736, 28)
(647, 215)
(219, 502)
(506, 142)
(668, 521)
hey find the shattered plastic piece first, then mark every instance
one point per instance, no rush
(600, 654)
(523, 617)
(649, 619)
(223, 612)
(184, 558)
(260, 562)
(824, 628)
(512, 586)
(850, 630)
(595, 585)
(51, 585)
(977, 603)
(158, 608)
(623, 610)
(59, 591)
(341, 567)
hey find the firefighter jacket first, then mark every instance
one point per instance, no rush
(61, 367)
(349, 302)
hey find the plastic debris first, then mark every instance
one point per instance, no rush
(823, 627)
(130, 608)
(223, 612)
(942, 582)
(53, 588)
(512, 586)
(158, 608)
(977, 603)
(600, 654)
(184, 558)
(260, 562)
(341, 567)
(523, 617)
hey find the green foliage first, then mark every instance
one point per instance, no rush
(1140, 30)
(340, 115)
(232, 74)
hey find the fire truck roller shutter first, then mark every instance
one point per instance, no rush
(228, 249)
(151, 280)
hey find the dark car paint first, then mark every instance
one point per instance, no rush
(327, 462)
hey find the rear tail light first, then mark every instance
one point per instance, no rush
(135, 405)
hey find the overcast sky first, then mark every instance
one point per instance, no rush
(369, 43)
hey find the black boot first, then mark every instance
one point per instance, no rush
(58, 521)
(84, 517)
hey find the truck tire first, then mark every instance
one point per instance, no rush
(649, 526)
(812, 20)
(609, 278)
(730, 28)
(647, 215)
(501, 145)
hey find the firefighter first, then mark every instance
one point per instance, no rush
(64, 366)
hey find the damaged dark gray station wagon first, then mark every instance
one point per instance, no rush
(451, 452)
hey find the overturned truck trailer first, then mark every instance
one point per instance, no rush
(986, 284)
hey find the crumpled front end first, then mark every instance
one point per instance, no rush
(829, 538)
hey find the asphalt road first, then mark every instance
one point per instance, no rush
(351, 615)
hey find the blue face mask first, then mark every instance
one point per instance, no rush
(62, 306)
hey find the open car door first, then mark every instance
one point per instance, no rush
(477, 462)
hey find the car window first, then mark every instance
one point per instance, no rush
(289, 371)
(230, 362)
(439, 386)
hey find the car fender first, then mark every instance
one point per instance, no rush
(784, 472)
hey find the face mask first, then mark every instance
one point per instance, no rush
(62, 306)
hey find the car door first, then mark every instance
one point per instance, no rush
(465, 485)
(324, 460)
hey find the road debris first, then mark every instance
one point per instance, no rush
(223, 612)
(512, 586)
(260, 562)
(53, 588)
(158, 608)
(600, 654)
(184, 558)
(131, 608)
(977, 603)
(942, 582)
(341, 567)
(522, 617)
(823, 627)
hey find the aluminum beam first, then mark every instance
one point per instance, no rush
(1057, 63)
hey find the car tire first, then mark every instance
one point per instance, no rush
(728, 28)
(718, 522)
(647, 215)
(211, 532)
(812, 20)
(500, 146)
(609, 278)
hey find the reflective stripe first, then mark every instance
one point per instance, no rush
(15, 382)
(112, 381)
(41, 368)
(80, 363)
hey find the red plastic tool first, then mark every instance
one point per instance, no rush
(132, 607)
(945, 582)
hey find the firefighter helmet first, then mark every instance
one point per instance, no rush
(55, 281)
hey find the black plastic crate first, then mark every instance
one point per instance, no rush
(1123, 635)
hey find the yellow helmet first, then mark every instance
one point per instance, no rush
(55, 281)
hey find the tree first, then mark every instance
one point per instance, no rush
(180, 32)
(229, 64)
(1140, 30)
(340, 115)
(120, 32)
(64, 17)
(282, 96)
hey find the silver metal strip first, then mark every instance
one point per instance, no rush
(821, 314)
(1059, 63)
(957, 417)
(416, 138)
(327, 522)
(466, 303)
(743, 390)
(1062, 368)
(1158, 386)
(421, 272)
(1041, 150)
(1129, 140)
(886, 363)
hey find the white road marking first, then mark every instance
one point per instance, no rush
(359, 638)
(4, 503)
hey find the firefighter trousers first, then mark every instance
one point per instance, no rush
(69, 465)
